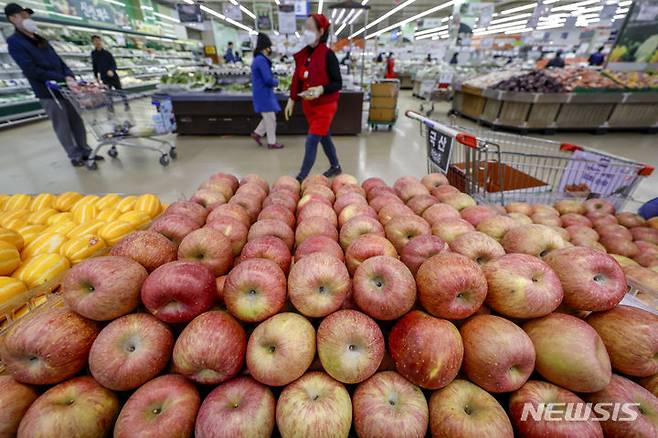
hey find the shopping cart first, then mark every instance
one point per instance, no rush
(498, 168)
(107, 114)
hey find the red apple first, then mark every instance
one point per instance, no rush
(229, 179)
(419, 249)
(391, 210)
(287, 192)
(451, 286)
(646, 234)
(401, 229)
(314, 405)
(537, 240)
(546, 219)
(434, 180)
(421, 203)
(379, 191)
(267, 247)
(602, 220)
(619, 245)
(477, 213)
(443, 190)
(49, 346)
(15, 399)
(630, 220)
(519, 207)
(383, 200)
(417, 354)
(350, 188)
(449, 229)
(477, 246)
(208, 246)
(404, 182)
(194, 359)
(520, 218)
(208, 198)
(278, 212)
(348, 199)
(272, 227)
(319, 190)
(355, 210)
(550, 403)
(255, 290)
(567, 206)
(318, 196)
(287, 181)
(641, 278)
(179, 291)
(570, 219)
(164, 406)
(318, 284)
(315, 226)
(322, 244)
(457, 200)
(174, 226)
(366, 246)
(342, 180)
(252, 205)
(462, 409)
(103, 288)
(522, 286)
(650, 384)
(252, 178)
(498, 354)
(614, 230)
(130, 351)
(190, 209)
(384, 288)
(359, 226)
(544, 209)
(372, 182)
(599, 205)
(317, 209)
(148, 248)
(592, 280)
(234, 211)
(283, 199)
(569, 352)
(582, 232)
(217, 186)
(233, 229)
(239, 408)
(497, 226)
(79, 407)
(252, 190)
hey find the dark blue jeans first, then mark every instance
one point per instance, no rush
(312, 141)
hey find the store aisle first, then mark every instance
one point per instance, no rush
(389, 155)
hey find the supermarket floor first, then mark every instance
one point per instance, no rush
(33, 161)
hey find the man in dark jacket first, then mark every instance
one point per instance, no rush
(104, 65)
(40, 63)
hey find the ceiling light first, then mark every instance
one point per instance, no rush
(621, 10)
(278, 2)
(340, 29)
(383, 17)
(234, 2)
(575, 6)
(625, 3)
(432, 30)
(500, 26)
(619, 16)
(519, 8)
(320, 3)
(248, 12)
(297, 34)
(510, 18)
(333, 14)
(521, 29)
(189, 2)
(341, 14)
(413, 18)
(349, 15)
(431, 35)
(364, 2)
(166, 17)
(205, 8)
(276, 32)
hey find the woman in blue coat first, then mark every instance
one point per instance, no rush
(262, 86)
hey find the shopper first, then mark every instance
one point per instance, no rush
(229, 56)
(390, 67)
(318, 81)
(262, 86)
(597, 57)
(557, 61)
(40, 63)
(104, 65)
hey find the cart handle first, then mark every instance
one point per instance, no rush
(462, 137)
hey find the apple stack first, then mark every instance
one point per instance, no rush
(406, 309)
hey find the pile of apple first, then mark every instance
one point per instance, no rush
(349, 309)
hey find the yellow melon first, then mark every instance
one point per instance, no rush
(85, 229)
(30, 232)
(41, 201)
(139, 218)
(108, 214)
(66, 200)
(61, 228)
(58, 218)
(11, 216)
(115, 231)
(41, 216)
(16, 224)
(3, 199)
(108, 201)
(46, 243)
(86, 200)
(149, 204)
(12, 237)
(84, 213)
(126, 204)
(10, 259)
(10, 287)
(18, 201)
(41, 268)
(80, 248)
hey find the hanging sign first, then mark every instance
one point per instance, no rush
(263, 13)
(232, 11)
(439, 149)
(287, 19)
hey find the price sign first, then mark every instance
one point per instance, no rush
(439, 148)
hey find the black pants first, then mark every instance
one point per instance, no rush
(115, 83)
(68, 126)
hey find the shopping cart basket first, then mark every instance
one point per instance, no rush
(496, 167)
(107, 114)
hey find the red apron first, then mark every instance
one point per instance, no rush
(318, 116)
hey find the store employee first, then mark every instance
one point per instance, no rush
(104, 64)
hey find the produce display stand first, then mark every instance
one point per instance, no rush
(549, 112)
(383, 103)
(218, 113)
(406, 81)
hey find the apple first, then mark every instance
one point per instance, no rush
(434, 180)
(130, 351)
(592, 280)
(387, 405)
(174, 226)
(320, 190)
(342, 180)
(234, 211)
(233, 229)
(614, 230)
(653, 222)
(522, 286)
(520, 218)
(148, 248)
(283, 199)
(569, 352)
(251, 190)
(315, 179)
(383, 200)
(570, 219)
(210, 349)
(285, 191)
(651, 384)
(208, 246)
(372, 182)
(599, 221)
(314, 405)
(498, 354)
(359, 226)
(646, 234)
(49, 346)
(384, 288)
(190, 209)
(630, 220)
(380, 191)
(567, 206)
(644, 406)
(317, 209)
(281, 349)
(440, 211)
(79, 407)
(315, 226)
(228, 178)
(272, 227)
(267, 247)
(252, 178)
(15, 399)
(178, 291)
(322, 244)
(477, 246)
(401, 229)
(208, 198)
(630, 335)
(350, 346)
(519, 207)
(462, 409)
(217, 186)
(535, 394)
(418, 356)
(419, 249)
(103, 288)
(241, 407)
(252, 205)
(392, 210)
(255, 290)
(647, 260)
(318, 284)
(318, 196)
(407, 189)
(349, 188)
(599, 205)
(288, 182)
(619, 245)
(624, 261)
(421, 203)
(443, 190)
(496, 226)
(477, 213)
(457, 200)
(365, 247)
(166, 405)
(348, 199)
(451, 286)
(546, 219)
(544, 209)
(355, 210)
(582, 232)
(641, 278)
(449, 229)
(535, 239)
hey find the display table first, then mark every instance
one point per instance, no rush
(219, 113)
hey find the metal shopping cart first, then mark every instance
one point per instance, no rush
(108, 115)
(496, 167)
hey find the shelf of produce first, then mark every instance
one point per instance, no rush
(14, 89)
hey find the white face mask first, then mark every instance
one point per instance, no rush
(30, 25)
(309, 37)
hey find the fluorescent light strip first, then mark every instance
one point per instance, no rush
(166, 17)
(340, 29)
(618, 17)
(518, 30)
(320, 3)
(410, 19)
(248, 12)
(383, 17)
(500, 26)
(238, 24)
(625, 3)
(355, 16)
(205, 8)
(349, 15)
(114, 2)
(575, 6)
(189, 2)
(364, 2)
(341, 14)
(510, 18)
(621, 10)
(278, 2)
(431, 30)
(297, 34)
(333, 14)
(519, 8)
(276, 32)
(431, 35)
(234, 2)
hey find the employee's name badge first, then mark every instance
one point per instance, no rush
(306, 74)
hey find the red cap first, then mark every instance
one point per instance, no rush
(321, 21)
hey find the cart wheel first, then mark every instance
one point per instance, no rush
(92, 165)
(112, 152)
(164, 160)
(173, 154)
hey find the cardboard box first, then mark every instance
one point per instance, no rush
(384, 89)
(382, 115)
(383, 102)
